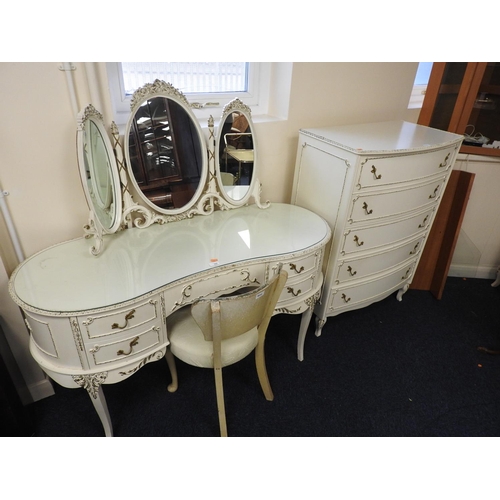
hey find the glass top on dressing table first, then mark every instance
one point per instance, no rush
(66, 278)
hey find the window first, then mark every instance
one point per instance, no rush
(420, 85)
(212, 85)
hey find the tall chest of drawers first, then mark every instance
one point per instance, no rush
(379, 186)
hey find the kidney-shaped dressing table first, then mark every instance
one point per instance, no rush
(98, 316)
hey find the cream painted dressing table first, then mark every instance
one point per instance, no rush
(96, 317)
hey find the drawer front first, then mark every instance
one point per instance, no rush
(380, 171)
(354, 269)
(369, 291)
(220, 282)
(301, 268)
(367, 238)
(134, 345)
(296, 291)
(112, 323)
(397, 202)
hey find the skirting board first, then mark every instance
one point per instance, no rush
(460, 271)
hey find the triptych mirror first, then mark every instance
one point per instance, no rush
(166, 167)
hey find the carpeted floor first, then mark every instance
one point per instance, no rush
(407, 368)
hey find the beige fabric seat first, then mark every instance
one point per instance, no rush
(219, 332)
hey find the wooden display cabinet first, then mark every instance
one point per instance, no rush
(464, 97)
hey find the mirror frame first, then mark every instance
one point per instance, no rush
(95, 228)
(236, 106)
(162, 89)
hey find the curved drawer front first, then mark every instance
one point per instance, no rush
(408, 199)
(293, 292)
(380, 171)
(126, 349)
(219, 282)
(354, 269)
(349, 297)
(301, 268)
(362, 239)
(112, 323)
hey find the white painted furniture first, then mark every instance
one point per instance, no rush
(379, 186)
(97, 321)
(165, 232)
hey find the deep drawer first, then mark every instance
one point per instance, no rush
(379, 235)
(368, 291)
(301, 268)
(384, 171)
(374, 206)
(359, 268)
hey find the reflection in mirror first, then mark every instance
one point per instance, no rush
(98, 170)
(236, 152)
(165, 153)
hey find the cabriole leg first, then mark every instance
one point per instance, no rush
(92, 383)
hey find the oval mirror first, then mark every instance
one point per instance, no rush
(236, 153)
(165, 149)
(98, 170)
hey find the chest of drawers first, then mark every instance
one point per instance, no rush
(379, 186)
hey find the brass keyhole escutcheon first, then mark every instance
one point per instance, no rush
(133, 343)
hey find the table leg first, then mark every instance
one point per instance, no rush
(92, 383)
(304, 325)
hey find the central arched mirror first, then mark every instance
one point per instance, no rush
(236, 153)
(165, 149)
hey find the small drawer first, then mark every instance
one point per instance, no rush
(359, 268)
(296, 291)
(132, 346)
(301, 268)
(371, 237)
(368, 291)
(368, 207)
(116, 322)
(384, 171)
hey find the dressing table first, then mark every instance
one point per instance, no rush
(164, 232)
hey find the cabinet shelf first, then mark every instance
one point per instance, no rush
(464, 98)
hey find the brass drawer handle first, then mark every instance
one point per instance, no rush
(433, 195)
(133, 343)
(406, 274)
(358, 243)
(445, 162)
(294, 268)
(293, 292)
(374, 172)
(128, 316)
(424, 221)
(346, 299)
(365, 207)
(414, 251)
(351, 272)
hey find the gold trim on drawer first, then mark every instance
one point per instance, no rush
(123, 320)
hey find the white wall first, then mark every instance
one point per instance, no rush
(38, 164)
